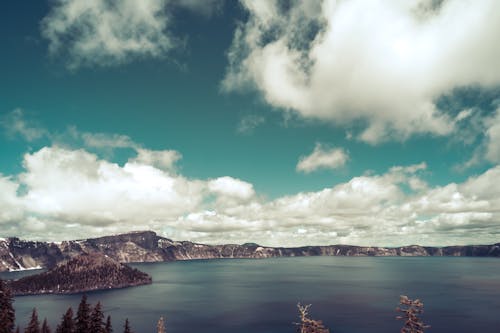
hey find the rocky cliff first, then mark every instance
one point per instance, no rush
(16, 254)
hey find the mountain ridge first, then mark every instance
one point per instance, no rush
(147, 246)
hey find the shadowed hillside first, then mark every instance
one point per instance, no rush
(83, 273)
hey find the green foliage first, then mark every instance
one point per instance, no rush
(410, 311)
(7, 314)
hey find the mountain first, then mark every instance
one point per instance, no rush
(147, 246)
(85, 272)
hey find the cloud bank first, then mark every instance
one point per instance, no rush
(379, 63)
(66, 193)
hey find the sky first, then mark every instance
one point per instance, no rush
(283, 123)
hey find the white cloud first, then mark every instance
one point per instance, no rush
(493, 139)
(380, 62)
(104, 140)
(161, 159)
(10, 205)
(71, 193)
(322, 158)
(14, 124)
(77, 187)
(231, 187)
(101, 32)
(248, 123)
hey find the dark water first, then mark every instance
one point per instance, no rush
(350, 294)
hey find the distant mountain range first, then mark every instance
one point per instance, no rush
(86, 272)
(147, 246)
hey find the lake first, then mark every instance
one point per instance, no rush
(350, 295)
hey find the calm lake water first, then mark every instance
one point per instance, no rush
(350, 294)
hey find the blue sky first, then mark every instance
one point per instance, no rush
(371, 123)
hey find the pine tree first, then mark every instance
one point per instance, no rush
(82, 323)
(45, 327)
(127, 327)
(108, 328)
(7, 314)
(67, 324)
(34, 324)
(97, 319)
(161, 325)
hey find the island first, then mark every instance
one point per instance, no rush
(83, 273)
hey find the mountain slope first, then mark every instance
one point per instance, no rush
(146, 246)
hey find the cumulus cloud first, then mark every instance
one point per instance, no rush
(106, 33)
(322, 158)
(161, 159)
(78, 187)
(229, 187)
(381, 63)
(66, 193)
(10, 205)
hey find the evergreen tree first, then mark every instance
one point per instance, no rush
(127, 327)
(161, 325)
(108, 328)
(34, 324)
(45, 327)
(97, 319)
(7, 314)
(82, 323)
(67, 324)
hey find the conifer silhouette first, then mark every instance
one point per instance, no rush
(67, 324)
(108, 328)
(45, 327)
(97, 319)
(127, 327)
(82, 324)
(34, 324)
(7, 314)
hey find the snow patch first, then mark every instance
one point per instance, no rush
(22, 269)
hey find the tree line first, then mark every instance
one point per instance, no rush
(90, 319)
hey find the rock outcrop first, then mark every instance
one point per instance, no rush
(146, 246)
(85, 272)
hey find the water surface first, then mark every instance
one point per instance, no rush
(350, 294)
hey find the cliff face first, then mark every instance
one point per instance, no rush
(16, 254)
(83, 273)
